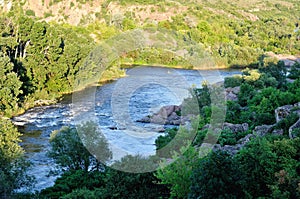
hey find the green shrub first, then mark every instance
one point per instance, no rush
(233, 81)
(30, 13)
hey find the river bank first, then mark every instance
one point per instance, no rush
(108, 77)
(152, 88)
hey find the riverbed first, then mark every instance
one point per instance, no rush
(116, 107)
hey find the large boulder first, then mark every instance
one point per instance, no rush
(167, 115)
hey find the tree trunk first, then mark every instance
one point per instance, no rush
(24, 53)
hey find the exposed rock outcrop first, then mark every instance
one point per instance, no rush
(277, 132)
(263, 130)
(231, 93)
(283, 111)
(236, 128)
(292, 129)
(245, 139)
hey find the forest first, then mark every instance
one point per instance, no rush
(40, 60)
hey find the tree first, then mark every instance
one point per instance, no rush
(109, 183)
(10, 87)
(69, 147)
(13, 165)
(176, 175)
(259, 165)
(216, 176)
(120, 184)
(73, 181)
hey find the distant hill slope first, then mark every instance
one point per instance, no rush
(235, 32)
(86, 11)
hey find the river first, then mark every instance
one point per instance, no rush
(142, 92)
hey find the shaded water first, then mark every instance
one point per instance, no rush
(117, 106)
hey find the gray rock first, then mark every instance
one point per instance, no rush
(161, 130)
(277, 132)
(158, 119)
(44, 102)
(231, 97)
(294, 127)
(236, 128)
(146, 119)
(245, 139)
(232, 150)
(175, 122)
(217, 147)
(166, 115)
(282, 112)
(262, 130)
(231, 93)
(236, 89)
(173, 116)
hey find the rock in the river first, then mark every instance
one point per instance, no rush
(146, 119)
(166, 115)
(113, 128)
(293, 128)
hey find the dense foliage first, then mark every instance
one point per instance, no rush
(266, 167)
(40, 60)
(13, 165)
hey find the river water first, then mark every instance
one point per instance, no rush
(116, 107)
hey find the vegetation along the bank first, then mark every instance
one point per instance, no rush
(43, 45)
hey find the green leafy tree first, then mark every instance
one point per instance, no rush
(71, 183)
(13, 166)
(259, 164)
(10, 87)
(176, 173)
(120, 184)
(216, 176)
(70, 150)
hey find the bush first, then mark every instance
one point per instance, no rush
(295, 71)
(227, 137)
(30, 13)
(233, 81)
(74, 180)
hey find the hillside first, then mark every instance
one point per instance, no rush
(223, 26)
(82, 12)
